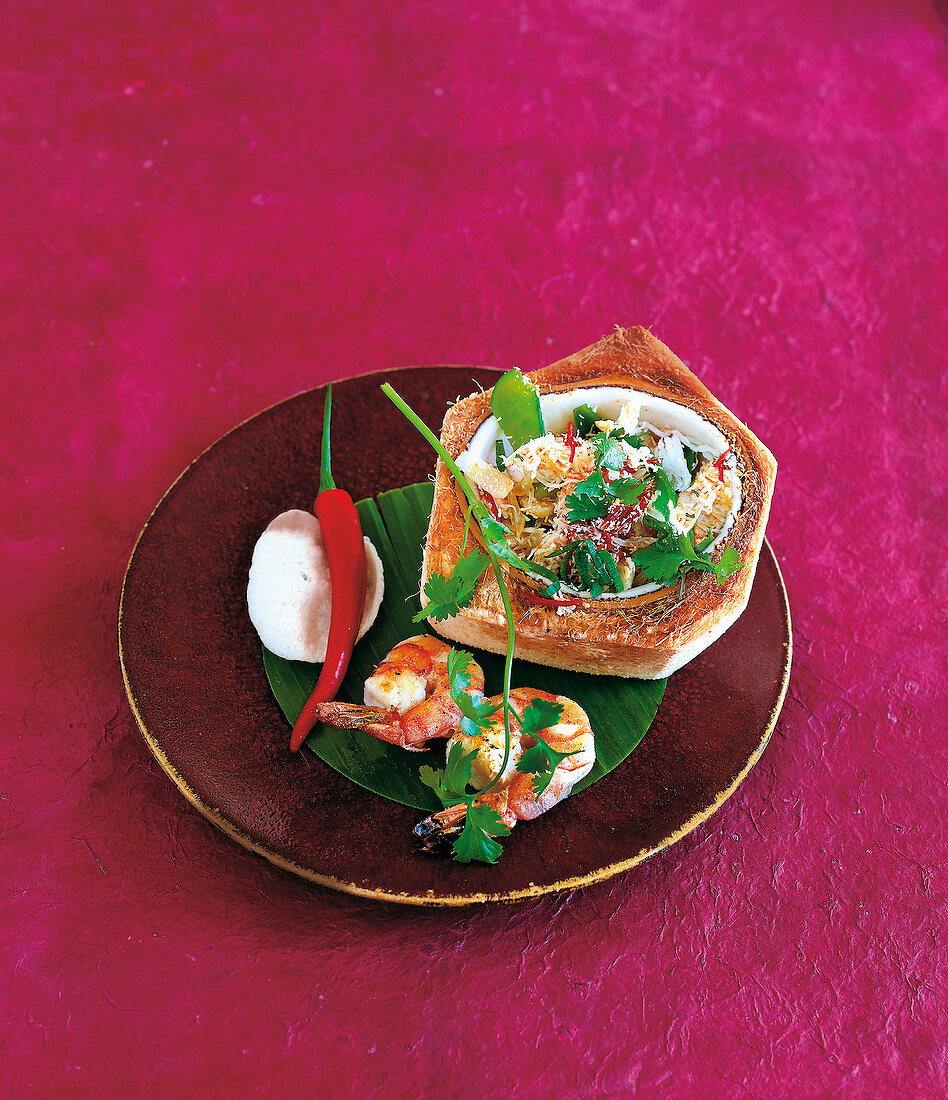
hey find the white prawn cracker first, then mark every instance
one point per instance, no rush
(289, 591)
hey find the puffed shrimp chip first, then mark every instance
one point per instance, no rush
(288, 589)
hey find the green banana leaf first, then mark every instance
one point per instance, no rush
(620, 710)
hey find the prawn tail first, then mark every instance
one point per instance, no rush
(437, 832)
(352, 716)
(383, 723)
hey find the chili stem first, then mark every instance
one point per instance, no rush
(325, 468)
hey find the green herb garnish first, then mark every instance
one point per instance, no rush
(585, 419)
(477, 713)
(628, 490)
(672, 555)
(609, 455)
(453, 784)
(581, 508)
(476, 842)
(447, 595)
(540, 760)
(516, 404)
(481, 823)
(590, 499)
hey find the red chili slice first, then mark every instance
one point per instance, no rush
(718, 464)
(491, 506)
(641, 505)
(571, 441)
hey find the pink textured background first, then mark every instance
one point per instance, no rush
(206, 208)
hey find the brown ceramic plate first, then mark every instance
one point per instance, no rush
(195, 679)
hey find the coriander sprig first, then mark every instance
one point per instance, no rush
(540, 760)
(483, 519)
(453, 784)
(673, 554)
(482, 824)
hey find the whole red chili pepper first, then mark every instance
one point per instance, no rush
(345, 553)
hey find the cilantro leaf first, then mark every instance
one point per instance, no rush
(476, 842)
(580, 507)
(541, 761)
(729, 564)
(660, 562)
(534, 761)
(539, 715)
(477, 713)
(432, 778)
(608, 452)
(628, 490)
(450, 784)
(670, 555)
(447, 595)
(590, 499)
(459, 663)
(592, 486)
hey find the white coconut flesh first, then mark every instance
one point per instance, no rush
(655, 413)
(289, 591)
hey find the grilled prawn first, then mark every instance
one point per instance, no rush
(513, 796)
(407, 697)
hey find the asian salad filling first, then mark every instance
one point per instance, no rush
(611, 505)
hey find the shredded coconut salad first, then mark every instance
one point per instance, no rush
(583, 503)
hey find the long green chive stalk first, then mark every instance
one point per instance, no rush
(480, 512)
